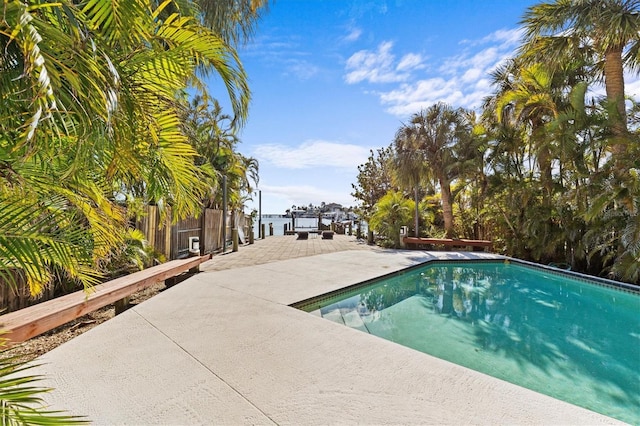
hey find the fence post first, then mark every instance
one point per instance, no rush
(203, 231)
(174, 242)
(121, 305)
(234, 237)
(168, 237)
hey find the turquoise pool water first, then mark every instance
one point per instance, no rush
(561, 336)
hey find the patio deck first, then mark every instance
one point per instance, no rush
(224, 347)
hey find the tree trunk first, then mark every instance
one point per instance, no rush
(614, 85)
(415, 193)
(447, 205)
(541, 145)
(546, 177)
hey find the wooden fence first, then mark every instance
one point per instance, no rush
(169, 239)
(14, 297)
(172, 240)
(212, 238)
(157, 230)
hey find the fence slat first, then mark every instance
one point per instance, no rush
(17, 296)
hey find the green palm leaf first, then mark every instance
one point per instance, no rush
(37, 235)
(21, 399)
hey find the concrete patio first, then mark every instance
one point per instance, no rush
(224, 347)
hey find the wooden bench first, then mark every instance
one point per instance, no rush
(29, 322)
(452, 242)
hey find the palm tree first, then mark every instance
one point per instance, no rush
(470, 170)
(234, 20)
(531, 102)
(89, 115)
(436, 131)
(391, 212)
(605, 33)
(21, 401)
(410, 166)
(213, 136)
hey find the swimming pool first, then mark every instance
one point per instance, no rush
(574, 339)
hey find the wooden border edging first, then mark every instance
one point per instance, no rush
(29, 322)
(448, 242)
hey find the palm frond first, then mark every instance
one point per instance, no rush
(210, 53)
(21, 398)
(35, 235)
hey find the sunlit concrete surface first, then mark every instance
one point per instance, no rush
(224, 347)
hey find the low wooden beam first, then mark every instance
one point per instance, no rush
(29, 322)
(448, 242)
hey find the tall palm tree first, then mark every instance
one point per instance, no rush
(470, 170)
(234, 20)
(410, 166)
(213, 135)
(605, 33)
(531, 103)
(437, 130)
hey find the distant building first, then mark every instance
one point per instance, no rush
(333, 207)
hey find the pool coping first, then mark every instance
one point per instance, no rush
(225, 347)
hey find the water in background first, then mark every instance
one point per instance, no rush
(301, 223)
(279, 222)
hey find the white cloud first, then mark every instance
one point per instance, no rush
(312, 154)
(505, 38)
(462, 80)
(301, 69)
(284, 55)
(471, 75)
(508, 38)
(354, 34)
(410, 61)
(632, 87)
(410, 98)
(378, 66)
(483, 61)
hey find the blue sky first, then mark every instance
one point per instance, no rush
(332, 79)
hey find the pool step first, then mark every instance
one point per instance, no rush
(349, 317)
(334, 316)
(352, 319)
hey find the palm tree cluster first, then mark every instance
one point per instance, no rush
(95, 120)
(547, 169)
(213, 135)
(94, 115)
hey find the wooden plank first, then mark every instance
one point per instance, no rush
(448, 242)
(29, 322)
